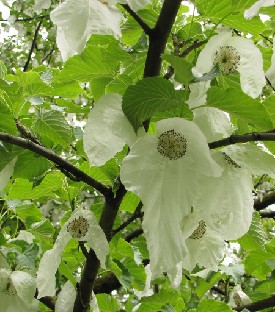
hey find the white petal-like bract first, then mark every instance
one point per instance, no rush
(164, 170)
(213, 123)
(107, 130)
(66, 298)
(82, 226)
(255, 8)
(241, 55)
(17, 291)
(6, 173)
(77, 20)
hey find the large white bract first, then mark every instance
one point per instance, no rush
(230, 53)
(82, 226)
(107, 130)
(165, 170)
(77, 20)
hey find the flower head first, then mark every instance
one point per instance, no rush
(234, 54)
(165, 170)
(82, 226)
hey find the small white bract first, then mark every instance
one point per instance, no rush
(17, 290)
(82, 226)
(255, 8)
(234, 53)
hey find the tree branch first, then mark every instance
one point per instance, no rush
(159, 36)
(50, 155)
(137, 214)
(33, 45)
(92, 264)
(266, 201)
(138, 19)
(267, 214)
(243, 138)
(258, 305)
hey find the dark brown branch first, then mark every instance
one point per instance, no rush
(137, 214)
(159, 36)
(244, 138)
(138, 19)
(266, 201)
(133, 235)
(33, 45)
(267, 214)
(91, 268)
(196, 44)
(26, 133)
(258, 305)
(50, 155)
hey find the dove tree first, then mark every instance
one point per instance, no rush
(137, 155)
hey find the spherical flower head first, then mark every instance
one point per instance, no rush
(164, 170)
(78, 227)
(234, 53)
(172, 144)
(227, 59)
(199, 231)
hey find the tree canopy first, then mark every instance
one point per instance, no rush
(137, 155)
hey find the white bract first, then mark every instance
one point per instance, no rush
(165, 170)
(270, 74)
(82, 226)
(107, 130)
(234, 53)
(204, 243)
(6, 173)
(238, 298)
(17, 290)
(213, 123)
(198, 93)
(255, 8)
(227, 200)
(77, 20)
(65, 298)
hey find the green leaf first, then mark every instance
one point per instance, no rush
(43, 232)
(30, 165)
(129, 202)
(3, 70)
(100, 58)
(25, 210)
(54, 126)
(157, 301)
(7, 123)
(203, 285)
(183, 73)
(256, 263)
(255, 238)
(149, 96)
(213, 306)
(240, 105)
(107, 303)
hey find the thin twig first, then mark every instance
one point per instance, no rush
(50, 155)
(137, 214)
(267, 200)
(243, 138)
(138, 19)
(258, 305)
(33, 45)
